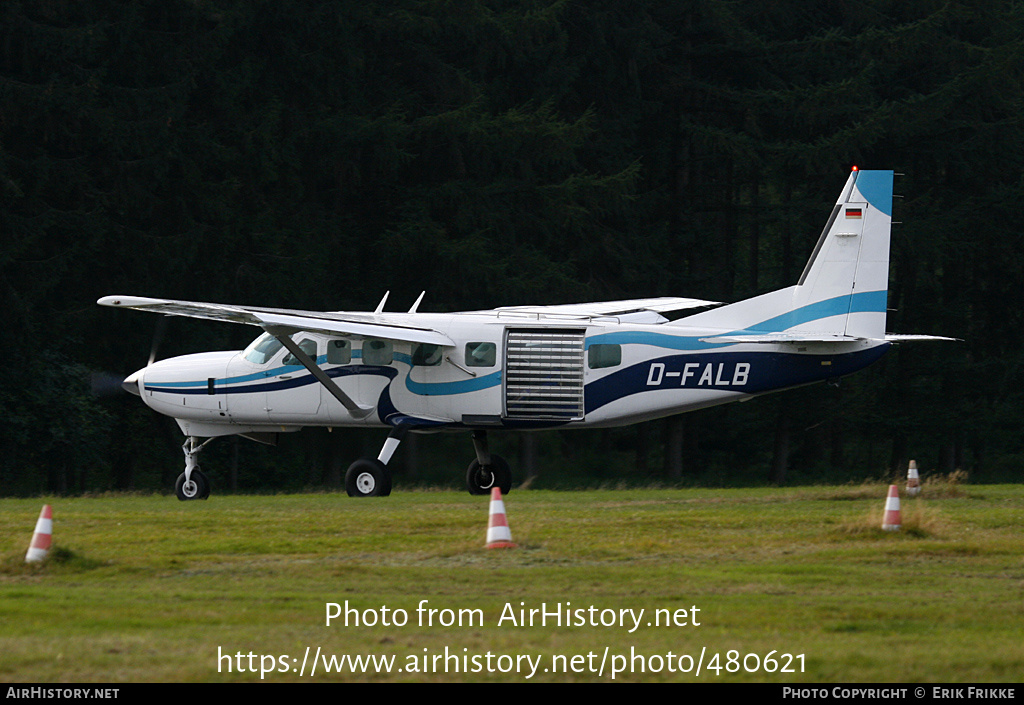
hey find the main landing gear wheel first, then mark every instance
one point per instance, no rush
(481, 478)
(368, 477)
(196, 488)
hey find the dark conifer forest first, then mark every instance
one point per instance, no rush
(313, 154)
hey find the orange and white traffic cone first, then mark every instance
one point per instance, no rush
(498, 533)
(892, 520)
(913, 481)
(41, 538)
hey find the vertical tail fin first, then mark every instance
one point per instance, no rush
(843, 288)
(850, 266)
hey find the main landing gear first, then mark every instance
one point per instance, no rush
(488, 470)
(370, 477)
(192, 484)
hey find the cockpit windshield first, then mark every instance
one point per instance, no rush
(262, 349)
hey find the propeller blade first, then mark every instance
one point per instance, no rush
(158, 338)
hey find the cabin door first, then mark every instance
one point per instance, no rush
(544, 373)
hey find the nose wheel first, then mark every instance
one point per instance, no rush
(196, 487)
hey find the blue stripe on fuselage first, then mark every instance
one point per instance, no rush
(271, 385)
(273, 372)
(864, 302)
(238, 386)
(446, 388)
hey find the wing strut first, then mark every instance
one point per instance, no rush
(357, 412)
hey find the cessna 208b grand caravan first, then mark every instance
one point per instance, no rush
(586, 365)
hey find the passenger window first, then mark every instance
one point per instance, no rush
(426, 355)
(378, 352)
(604, 355)
(307, 346)
(339, 352)
(480, 354)
(262, 349)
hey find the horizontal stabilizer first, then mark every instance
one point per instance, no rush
(766, 338)
(770, 338)
(897, 338)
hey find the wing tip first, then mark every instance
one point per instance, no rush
(128, 301)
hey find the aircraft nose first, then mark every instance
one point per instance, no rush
(131, 383)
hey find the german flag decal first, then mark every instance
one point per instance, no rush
(853, 213)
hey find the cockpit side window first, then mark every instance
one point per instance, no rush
(307, 346)
(426, 355)
(480, 354)
(262, 349)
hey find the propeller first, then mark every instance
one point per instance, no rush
(104, 384)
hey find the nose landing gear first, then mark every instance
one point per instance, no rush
(192, 484)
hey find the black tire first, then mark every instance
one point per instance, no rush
(199, 488)
(205, 494)
(368, 477)
(481, 478)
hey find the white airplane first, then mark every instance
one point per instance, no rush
(588, 365)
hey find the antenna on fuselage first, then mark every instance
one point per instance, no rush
(417, 304)
(380, 306)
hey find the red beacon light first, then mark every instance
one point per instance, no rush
(855, 168)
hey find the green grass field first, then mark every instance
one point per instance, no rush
(146, 588)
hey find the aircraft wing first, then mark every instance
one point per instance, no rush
(341, 325)
(599, 309)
